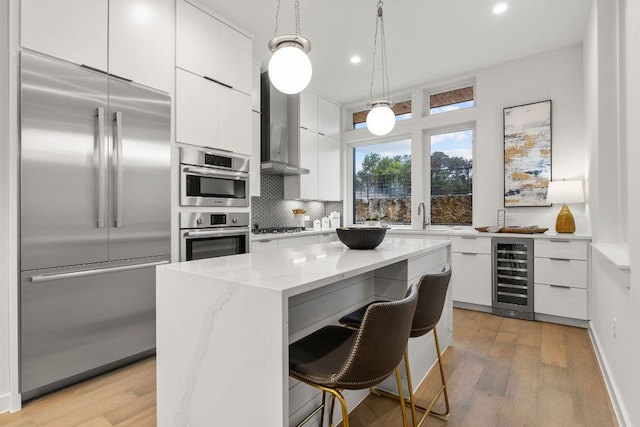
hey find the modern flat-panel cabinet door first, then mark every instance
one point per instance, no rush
(196, 109)
(197, 42)
(328, 118)
(141, 41)
(328, 168)
(140, 130)
(309, 160)
(64, 161)
(309, 110)
(235, 59)
(234, 121)
(68, 29)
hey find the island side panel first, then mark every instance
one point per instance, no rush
(220, 350)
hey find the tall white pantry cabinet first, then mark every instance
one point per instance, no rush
(213, 82)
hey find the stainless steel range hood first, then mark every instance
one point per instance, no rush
(279, 142)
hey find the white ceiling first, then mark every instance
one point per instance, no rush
(426, 39)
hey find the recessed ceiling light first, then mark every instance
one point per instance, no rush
(500, 8)
(355, 59)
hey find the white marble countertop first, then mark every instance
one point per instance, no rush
(307, 232)
(299, 269)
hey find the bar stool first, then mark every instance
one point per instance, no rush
(431, 297)
(335, 358)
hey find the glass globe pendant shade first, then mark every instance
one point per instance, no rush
(289, 66)
(381, 119)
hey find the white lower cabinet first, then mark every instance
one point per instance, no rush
(471, 269)
(471, 278)
(292, 241)
(560, 275)
(560, 301)
(263, 245)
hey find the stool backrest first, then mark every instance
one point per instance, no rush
(432, 294)
(380, 343)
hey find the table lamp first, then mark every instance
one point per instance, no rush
(565, 192)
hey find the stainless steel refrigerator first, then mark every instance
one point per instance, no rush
(94, 219)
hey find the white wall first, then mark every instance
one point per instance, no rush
(4, 207)
(555, 75)
(615, 293)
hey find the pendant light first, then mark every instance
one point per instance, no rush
(289, 66)
(380, 119)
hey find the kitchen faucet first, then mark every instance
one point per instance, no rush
(423, 211)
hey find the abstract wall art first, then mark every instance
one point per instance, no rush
(527, 154)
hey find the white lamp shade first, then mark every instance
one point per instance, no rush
(380, 120)
(565, 192)
(290, 69)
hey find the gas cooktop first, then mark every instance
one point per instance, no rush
(275, 230)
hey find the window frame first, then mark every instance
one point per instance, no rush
(426, 178)
(350, 201)
(461, 84)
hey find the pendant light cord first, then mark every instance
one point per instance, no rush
(296, 8)
(383, 54)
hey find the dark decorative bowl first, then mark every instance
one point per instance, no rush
(361, 238)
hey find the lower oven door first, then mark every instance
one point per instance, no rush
(200, 244)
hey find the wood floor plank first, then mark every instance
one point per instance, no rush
(501, 372)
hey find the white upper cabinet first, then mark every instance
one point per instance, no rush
(212, 49)
(130, 39)
(141, 41)
(234, 121)
(196, 34)
(235, 59)
(212, 115)
(318, 121)
(328, 118)
(309, 160)
(328, 168)
(256, 94)
(319, 114)
(197, 103)
(309, 110)
(72, 30)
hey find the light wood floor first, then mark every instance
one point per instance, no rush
(500, 371)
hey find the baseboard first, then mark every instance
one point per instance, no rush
(470, 306)
(612, 389)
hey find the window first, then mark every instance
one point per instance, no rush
(450, 100)
(382, 182)
(452, 177)
(402, 110)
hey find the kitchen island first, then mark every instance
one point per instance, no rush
(224, 325)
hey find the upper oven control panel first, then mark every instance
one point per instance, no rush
(213, 159)
(213, 219)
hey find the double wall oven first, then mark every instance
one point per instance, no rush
(208, 178)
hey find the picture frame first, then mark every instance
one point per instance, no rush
(527, 154)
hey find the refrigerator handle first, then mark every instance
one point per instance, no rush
(102, 171)
(118, 165)
(73, 274)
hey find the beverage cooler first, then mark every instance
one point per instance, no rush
(512, 274)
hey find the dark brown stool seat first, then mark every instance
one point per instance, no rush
(432, 293)
(335, 358)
